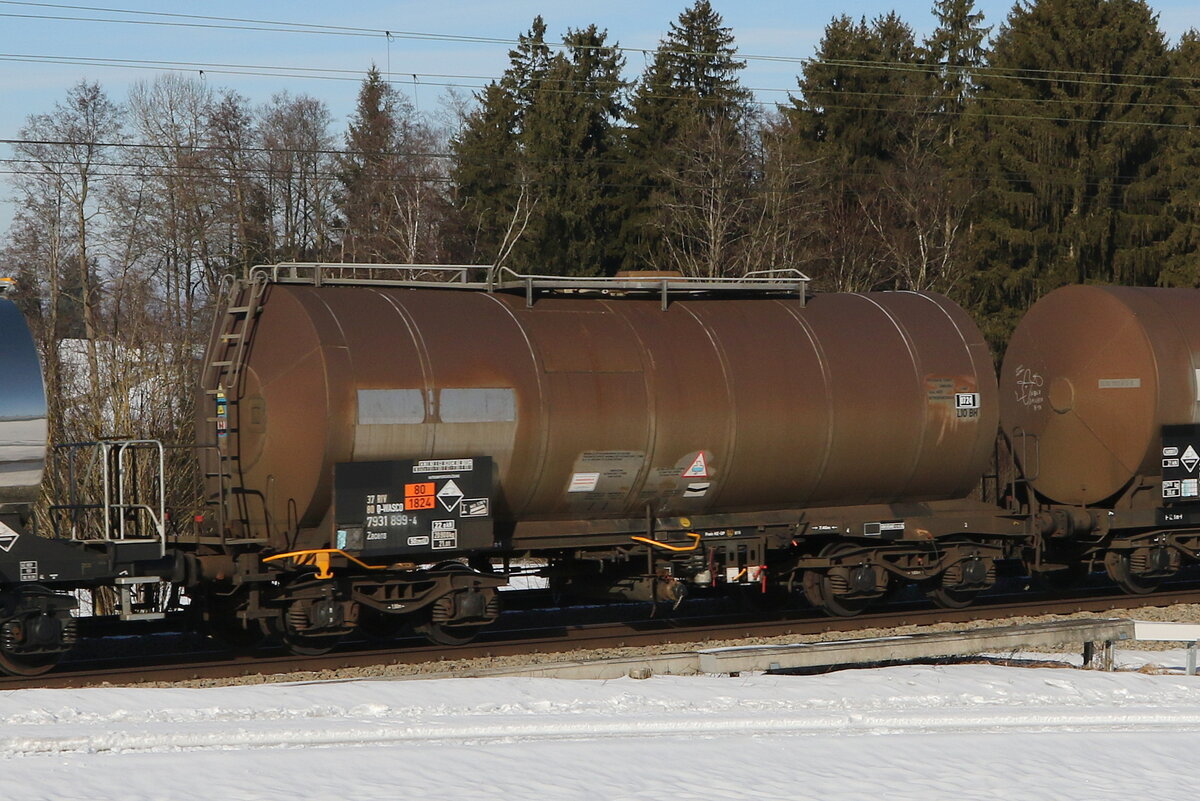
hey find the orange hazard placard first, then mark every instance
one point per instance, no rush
(422, 502)
(419, 490)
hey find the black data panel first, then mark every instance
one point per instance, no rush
(425, 509)
(1181, 463)
(1180, 476)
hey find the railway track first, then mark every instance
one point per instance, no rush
(563, 637)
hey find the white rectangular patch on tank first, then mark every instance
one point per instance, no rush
(390, 407)
(583, 482)
(1120, 383)
(443, 465)
(478, 405)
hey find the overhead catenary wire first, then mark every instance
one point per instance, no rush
(452, 80)
(352, 75)
(106, 170)
(386, 33)
(1076, 101)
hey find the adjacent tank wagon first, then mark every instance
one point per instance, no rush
(1100, 400)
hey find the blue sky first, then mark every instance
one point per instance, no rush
(762, 27)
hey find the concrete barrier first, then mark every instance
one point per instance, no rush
(1096, 636)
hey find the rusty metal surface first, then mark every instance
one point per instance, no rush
(1090, 376)
(596, 408)
(23, 431)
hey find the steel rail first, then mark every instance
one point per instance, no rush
(575, 637)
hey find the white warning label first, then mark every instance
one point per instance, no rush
(1190, 458)
(698, 467)
(449, 495)
(583, 482)
(8, 537)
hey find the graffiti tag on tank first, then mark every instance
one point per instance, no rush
(1029, 388)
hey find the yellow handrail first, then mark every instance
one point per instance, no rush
(319, 558)
(676, 548)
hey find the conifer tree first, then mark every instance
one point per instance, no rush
(486, 176)
(389, 203)
(864, 94)
(689, 101)
(956, 51)
(532, 166)
(868, 124)
(1180, 168)
(567, 136)
(367, 170)
(1068, 132)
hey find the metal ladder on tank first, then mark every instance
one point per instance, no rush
(224, 359)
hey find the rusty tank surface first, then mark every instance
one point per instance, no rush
(23, 428)
(595, 406)
(1091, 376)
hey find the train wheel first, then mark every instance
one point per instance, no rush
(27, 664)
(441, 634)
(37, 632)
(1117, 563)
(822, 589)
(952, 599)
(297, 643)
(300, 645)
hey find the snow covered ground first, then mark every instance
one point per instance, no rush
(914, 732)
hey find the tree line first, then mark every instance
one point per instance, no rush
(991, 163)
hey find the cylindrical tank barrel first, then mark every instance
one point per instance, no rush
(1091, 375)
(596, 407)
(23, 431)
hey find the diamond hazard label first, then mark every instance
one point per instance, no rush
(8, 537)
(699, 467)
(1190, 458)
(450, 495)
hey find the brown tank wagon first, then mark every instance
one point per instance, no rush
(643, 434)
(1100, 397)
(600, 407)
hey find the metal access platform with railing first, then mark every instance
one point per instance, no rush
(116, 492)
(490, 278)
(116, 501)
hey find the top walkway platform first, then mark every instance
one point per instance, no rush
(786, 282)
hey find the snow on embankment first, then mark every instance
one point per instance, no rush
(924, 732)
